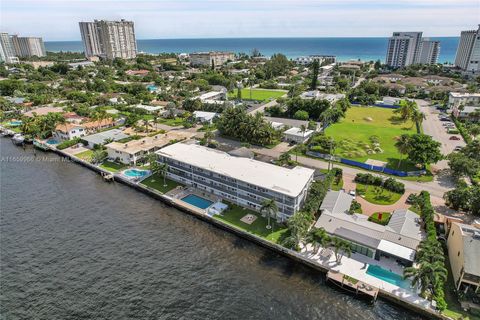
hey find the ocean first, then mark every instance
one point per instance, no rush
(75, 247)
(344, 48)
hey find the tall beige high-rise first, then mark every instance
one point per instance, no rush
(109, 39)
(29, 46)
(468, 51)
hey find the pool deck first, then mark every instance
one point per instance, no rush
(354, 266)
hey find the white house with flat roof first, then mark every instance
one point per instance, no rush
(455, 99)
(296, 135)
(244, 181)
(204, 116)
(149, 109)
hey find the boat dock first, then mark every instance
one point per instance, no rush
(352, 285)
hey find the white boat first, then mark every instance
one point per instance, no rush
(7, 133)
(18, 139)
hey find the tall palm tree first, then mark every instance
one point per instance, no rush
(417, 117)
(319, 237)
(163, 172)
(270, 208)
(403, 146)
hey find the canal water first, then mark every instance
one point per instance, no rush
(75, 247)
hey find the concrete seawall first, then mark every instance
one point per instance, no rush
(245, 235)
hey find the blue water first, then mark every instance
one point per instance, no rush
(197, 201)
(343, 48)
(52, 141)
(388, 276)
(15, 123)
(135, 173)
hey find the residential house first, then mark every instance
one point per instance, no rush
(99, 139)
(69, 131)
(464, 253)
(296, 135)
(204, 117)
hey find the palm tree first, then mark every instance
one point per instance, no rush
(419, 276)
(270, 208)
(403, 146)
(319, 237)
(163, 172)
(417, 117)
(285, 158)
(208, 136)
(338, 245)
(406, 109)
(145, 123)
(298, 225)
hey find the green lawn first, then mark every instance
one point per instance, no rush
(175, 122)
(85, 155)
(337, 186)
(257, 94)
(377, 195)
(383, 219)
(353, 136)
(156, 182)
(112, 166)
(234, 213)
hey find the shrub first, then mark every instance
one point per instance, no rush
(355, 207)
(68, 143)
(389, 184)
(394, 186)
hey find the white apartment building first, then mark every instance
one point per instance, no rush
(403, 48)
(29, 46)
(244, 181)
(7, 50)
(468, 51)
(109, 39)
(429, 52)
(306, 60)
(456, 99)
(215, 58)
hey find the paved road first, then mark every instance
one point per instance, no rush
(434, 127)
(263, 106)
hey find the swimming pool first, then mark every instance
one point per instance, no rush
(197, 201)
(135, 173)
(52, 141)
(388, 276)
(15, 123)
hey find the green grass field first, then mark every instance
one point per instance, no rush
(85, 155)
(377, 195)
(257, 94)
(234, 213)
(353, 135)
(156, 182)
(112, 166)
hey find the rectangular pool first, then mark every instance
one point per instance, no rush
(197, 201)
(388, 276)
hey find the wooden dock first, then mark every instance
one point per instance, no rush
(352, 285)
(108, 177)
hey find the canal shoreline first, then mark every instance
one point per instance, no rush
(293, 255)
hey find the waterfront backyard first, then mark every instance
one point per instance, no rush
(155, 181)
(235, 214)
(370, 133)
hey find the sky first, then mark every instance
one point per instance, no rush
(166, 19)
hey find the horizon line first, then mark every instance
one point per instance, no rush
(269, 37)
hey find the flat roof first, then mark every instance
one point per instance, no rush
(286, 181)
(397, 250)
(101, 137)
(297, 132)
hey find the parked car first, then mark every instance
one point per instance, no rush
(444, 119)
(353, 193)
(457, 148)
(454, 138)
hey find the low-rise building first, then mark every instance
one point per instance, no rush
(215, 58)
(204, 116)
(149, 109)
(296, 135)
(456, 99)
(464, 253)
(315, 94)
(99, 139)
(467, 113)
(69, 131)
(306, 60)
(136, 150)
(244, 181)
(398, 239)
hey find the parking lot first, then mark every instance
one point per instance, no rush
(434, 127)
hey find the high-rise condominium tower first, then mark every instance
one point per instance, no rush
(109, 39)
(28, 46)
(468, 51)
(7, 51)
(406, 48)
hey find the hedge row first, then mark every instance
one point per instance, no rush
(68, 143)
(389, 184)
(317, 193)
